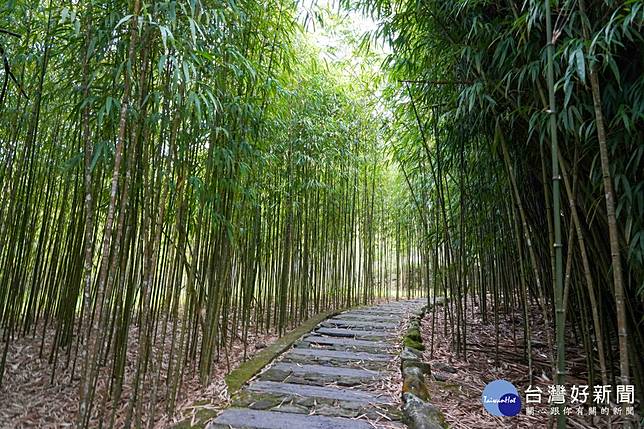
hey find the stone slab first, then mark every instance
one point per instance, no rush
(333, 371)
(337, 354)
(346, 342)
(360, 324)
(352, 395)
(246, 419)
(351, 333)
(383, 312)
(370, 317)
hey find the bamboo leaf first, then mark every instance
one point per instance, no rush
(581, 65)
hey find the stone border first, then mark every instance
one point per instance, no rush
(418, 412)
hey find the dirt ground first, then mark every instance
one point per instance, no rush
(31, 398)
(459, 395)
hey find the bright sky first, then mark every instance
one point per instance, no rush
(338, 38)
(340, 32)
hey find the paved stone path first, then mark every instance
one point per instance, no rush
(333, 378)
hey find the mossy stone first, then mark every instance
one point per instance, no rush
(408, 353)
(419, 414)
(416, 385)
(423, 366)
(413, 344)
(413, 371)
(414, 334)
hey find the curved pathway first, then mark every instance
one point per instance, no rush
(337, 377)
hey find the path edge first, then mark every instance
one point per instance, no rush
(236, 378)
(239, 376)
(418, 412)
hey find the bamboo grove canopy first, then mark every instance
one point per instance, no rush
(175, 173)
(484, 87)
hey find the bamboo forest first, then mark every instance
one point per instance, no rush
(331, 214)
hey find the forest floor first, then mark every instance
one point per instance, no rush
(458, 394)
(30, 398)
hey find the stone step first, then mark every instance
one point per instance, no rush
(254, 419)
(380, 312)
(347, 343)
(326, 370)
(357, 324)
(358, 364)
(340, 355)
(402, 304)
(319, 375)
(308, 388)
(351, 395)
(370, 317)
(351, 333)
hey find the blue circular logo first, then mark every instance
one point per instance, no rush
(500, 398)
